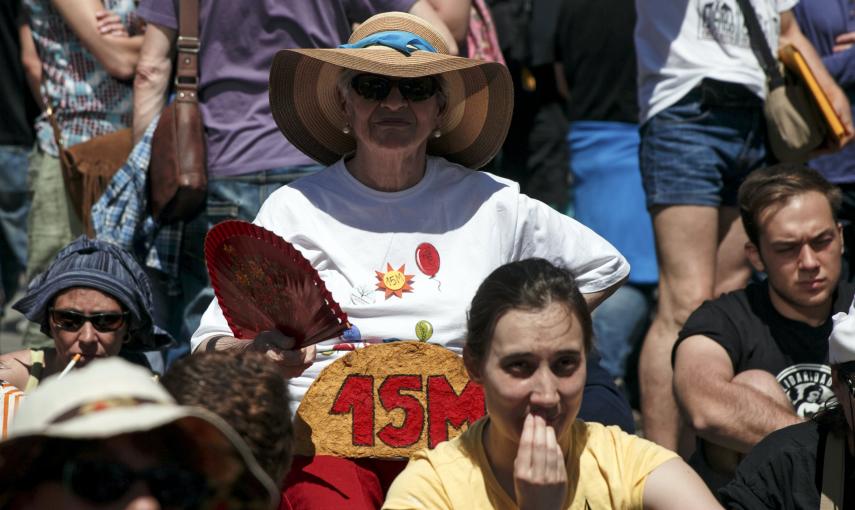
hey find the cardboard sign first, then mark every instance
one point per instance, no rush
(387, 401)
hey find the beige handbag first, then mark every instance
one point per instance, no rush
(793, 124)
(799, 116)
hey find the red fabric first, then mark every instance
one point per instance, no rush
(326, 482)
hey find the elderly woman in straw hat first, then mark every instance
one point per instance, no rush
(109, 437)
(94, 301)
(399, 226)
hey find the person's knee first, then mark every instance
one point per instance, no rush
(676, 305)
(765, 383)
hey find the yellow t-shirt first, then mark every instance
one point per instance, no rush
(613, 465)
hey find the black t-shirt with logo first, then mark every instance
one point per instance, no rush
(756, 336)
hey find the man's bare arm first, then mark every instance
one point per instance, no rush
(732, 415)
(152, 79)
(455, 15)
(792, 34)
(118, 55)
(424, 10)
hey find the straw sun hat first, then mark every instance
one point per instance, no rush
(306, 108)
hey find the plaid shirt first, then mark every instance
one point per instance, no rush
(87, 101)
(121, 216)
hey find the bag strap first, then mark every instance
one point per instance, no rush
(51, 117)
(57, 134)
(760, 46)
(831, 496)
(187, 69)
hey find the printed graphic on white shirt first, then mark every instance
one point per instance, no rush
(722, 21)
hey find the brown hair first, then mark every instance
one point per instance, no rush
(249, 393)
(530, 284)
(777, 185)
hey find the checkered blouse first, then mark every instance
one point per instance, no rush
(88, 101)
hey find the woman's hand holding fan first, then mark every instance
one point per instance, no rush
(263, 284)
(281, 350)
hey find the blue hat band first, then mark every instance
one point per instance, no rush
(405, 42)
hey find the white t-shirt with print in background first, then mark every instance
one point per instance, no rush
(680, 42)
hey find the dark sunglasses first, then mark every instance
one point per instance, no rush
(377, 88)
(68, 320)
(102, 482)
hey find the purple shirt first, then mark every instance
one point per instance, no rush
(821, 21)
(239, 39)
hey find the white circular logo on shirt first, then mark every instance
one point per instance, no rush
(808, 385)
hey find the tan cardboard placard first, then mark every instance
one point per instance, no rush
(387, 401)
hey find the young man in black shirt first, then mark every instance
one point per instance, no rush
(746, 361)
(809, 465)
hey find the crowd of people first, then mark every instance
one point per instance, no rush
(576, 198)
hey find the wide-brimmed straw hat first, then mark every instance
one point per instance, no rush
(112, 397)
(307, 110)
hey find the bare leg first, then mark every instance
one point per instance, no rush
(732, 267)
(686, 242)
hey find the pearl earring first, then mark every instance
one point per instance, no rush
(436, 133)
(346, 129)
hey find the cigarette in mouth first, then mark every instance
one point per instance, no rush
(70, 365)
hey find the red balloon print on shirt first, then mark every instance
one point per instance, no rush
(427, 258)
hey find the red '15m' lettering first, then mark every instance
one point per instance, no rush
(444, 407)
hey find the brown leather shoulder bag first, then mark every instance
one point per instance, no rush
(178, 177)
(88, 167)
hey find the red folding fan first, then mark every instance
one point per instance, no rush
(263, 283)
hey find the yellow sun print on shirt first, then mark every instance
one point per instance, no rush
(394, 282)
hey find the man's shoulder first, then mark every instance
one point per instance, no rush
(732, 319)
(744, 301)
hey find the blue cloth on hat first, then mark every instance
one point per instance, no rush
(405, 42)
(105, 267)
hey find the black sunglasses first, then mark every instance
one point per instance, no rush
(102, 482)
(69, 320)
(377, 88)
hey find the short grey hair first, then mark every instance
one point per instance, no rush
(347, 75)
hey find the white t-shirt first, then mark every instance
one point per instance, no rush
(475, 221)
(680, 42)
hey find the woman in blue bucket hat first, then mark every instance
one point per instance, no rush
(94, 301)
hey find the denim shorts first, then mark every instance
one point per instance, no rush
(699, 150)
